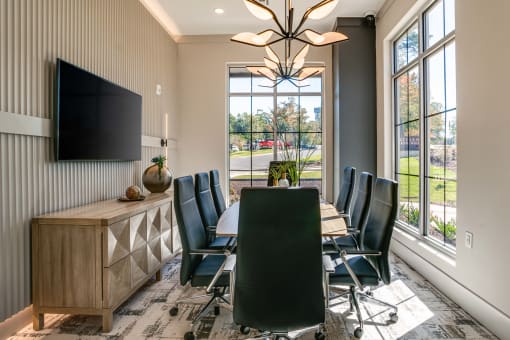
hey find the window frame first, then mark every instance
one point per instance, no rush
(275, 95)
(424, 52)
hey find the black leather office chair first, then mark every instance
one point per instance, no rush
(201, 266)
(359, 216)
(218, 198)
(208, 211)
(371, 265)
(344, 199)
(279, 271)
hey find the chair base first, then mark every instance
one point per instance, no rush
(217, 297)
(319, 333)
(354, 297)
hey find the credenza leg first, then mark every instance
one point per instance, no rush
(158, 275)
(38, 321)
(107, 320)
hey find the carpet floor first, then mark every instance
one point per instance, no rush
(424, 313)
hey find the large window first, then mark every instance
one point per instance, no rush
(266, 124)
(425, 123)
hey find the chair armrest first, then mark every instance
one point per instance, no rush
(230, 263)
(211, 228)
(329, 265)
(207, 252)
(363, 252)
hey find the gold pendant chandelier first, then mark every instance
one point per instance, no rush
(292, 69)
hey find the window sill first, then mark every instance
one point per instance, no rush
(423, 244)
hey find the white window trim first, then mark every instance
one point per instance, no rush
(417, 17)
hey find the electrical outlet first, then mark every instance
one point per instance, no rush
(158, 90)
(469, 239)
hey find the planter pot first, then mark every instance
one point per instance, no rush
(156, 180)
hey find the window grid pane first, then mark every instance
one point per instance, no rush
(279, 124)
(427, 114)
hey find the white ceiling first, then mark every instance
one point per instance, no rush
(197, 17)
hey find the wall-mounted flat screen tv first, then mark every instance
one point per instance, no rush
(95, 119)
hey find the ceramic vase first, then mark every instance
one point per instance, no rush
(283, 182)
(156, 179)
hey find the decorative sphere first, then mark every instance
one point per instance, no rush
(133, 192)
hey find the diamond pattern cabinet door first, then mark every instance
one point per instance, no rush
(139, 266)
(166, 217)
(153, 223)
(154, 254)
(138, 231)
(117, 242)
(117, 282)
(166, 245)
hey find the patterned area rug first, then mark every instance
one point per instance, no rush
(424, 313)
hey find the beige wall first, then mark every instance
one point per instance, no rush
(116, 39)
(203, 104)
(480, 275)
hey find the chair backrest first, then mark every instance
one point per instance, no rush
(218, 198)
(343, 202)
(205, 200)
(361, 206)
(278, 284)
(379, 228)
(191, 228)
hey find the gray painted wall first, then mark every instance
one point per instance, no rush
(355, 98)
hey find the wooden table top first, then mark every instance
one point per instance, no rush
(332, 224)
(105, 212)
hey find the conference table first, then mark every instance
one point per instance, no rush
(333, 225)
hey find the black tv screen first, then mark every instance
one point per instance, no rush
(95, 119)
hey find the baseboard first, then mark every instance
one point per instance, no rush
(489, 316)
(16, 322)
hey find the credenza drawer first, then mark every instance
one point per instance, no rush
(117, 283)
(116, 242)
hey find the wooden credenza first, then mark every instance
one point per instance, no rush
(90, 259)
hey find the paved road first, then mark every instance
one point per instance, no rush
(260, 162)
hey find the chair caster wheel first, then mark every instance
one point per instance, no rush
(393, 317)
(244, 330)
(370, 293)
(189, 336)
(216, 310)
(358, 332)
(173, 311)
(319, 336)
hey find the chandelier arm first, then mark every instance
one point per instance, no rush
(298, 27)
(274, 41)
(305, 41)
(311, 75)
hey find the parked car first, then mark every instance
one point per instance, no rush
(307, 147)
(268, 144)
(234, 148)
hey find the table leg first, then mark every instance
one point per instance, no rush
(158, 275)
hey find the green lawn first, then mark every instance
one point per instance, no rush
(410, 185)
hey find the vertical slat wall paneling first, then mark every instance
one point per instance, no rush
(116, 39)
